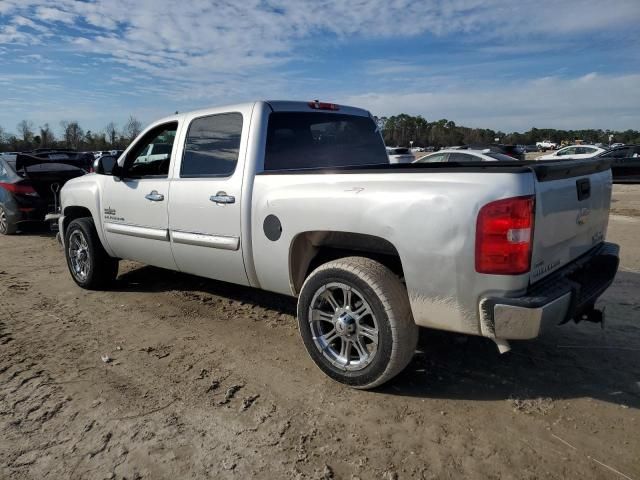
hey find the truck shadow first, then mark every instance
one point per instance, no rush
(572, 361)
(153, 279)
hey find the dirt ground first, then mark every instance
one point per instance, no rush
(209, 380)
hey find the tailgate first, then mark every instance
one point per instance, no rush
(572, 212)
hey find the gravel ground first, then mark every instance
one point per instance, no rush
(202, 379)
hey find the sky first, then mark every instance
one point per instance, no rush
(508, 65)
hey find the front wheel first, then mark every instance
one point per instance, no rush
(89, 264)
(356, 323)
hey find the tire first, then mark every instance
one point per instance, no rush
(369, 301)
(7, 227)
(90, 265)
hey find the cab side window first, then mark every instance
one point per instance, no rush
(151, 156)
(212, 146)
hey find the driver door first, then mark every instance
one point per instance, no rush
(134, 206)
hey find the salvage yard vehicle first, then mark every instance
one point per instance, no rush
(545, 145)
(573, 152)
(400, 155)
(300, 199)
(470, 155)
(626, 163)
(70, 157)
(29, 187)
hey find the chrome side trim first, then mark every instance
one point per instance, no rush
(136, 231)
(204, 240)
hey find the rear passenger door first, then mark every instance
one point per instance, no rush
(204, 212)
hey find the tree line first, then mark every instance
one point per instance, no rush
(73, 136)
(400, 130)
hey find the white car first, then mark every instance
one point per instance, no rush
(454, 155)
(400, 155)
(573, 152)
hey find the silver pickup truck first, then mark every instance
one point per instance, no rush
(299, 198)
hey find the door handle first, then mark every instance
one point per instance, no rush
(154, 196)
(222, 198)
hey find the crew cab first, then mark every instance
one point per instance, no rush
(301, 199)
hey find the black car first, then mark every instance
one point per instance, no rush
(626, 163)
(529, 148)
(71, 157)
(28, 188)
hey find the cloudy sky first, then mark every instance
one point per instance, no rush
(502, 64)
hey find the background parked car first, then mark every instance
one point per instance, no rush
(400, 155)
(28, 188)
(467, 155)
(513, 151)
(573, 152)
(529, 148)
(545, 145)
(626, 163)
(83, 160)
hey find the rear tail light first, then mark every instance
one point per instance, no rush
(19, 189)
(504, 235)
(316, 105)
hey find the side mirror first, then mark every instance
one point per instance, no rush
(106, 165)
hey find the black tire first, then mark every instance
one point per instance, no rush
(381, 289)
(101, 269)
(7, 227)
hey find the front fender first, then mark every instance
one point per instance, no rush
(84, 192)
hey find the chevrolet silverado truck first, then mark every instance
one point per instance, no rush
(300, 199)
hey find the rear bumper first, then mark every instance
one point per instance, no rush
(567, 294)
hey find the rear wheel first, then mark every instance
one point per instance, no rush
(89, 264)
(7, 227)
(356, 323)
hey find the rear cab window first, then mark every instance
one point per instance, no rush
(298, 140)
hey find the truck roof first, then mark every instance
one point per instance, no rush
(276, 106)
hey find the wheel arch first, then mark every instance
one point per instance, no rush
(310, 249)
(72, 213)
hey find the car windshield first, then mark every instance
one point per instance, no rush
(316, 140)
